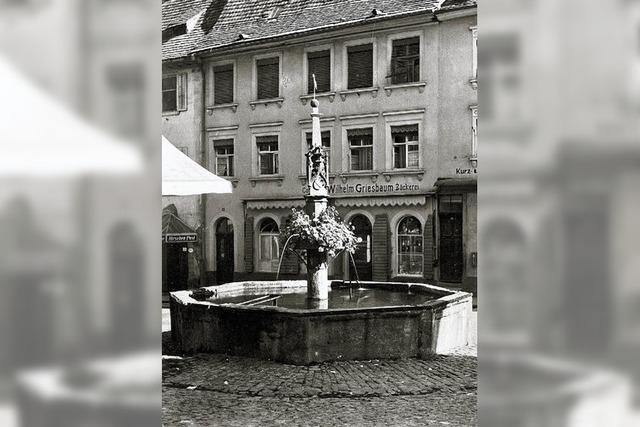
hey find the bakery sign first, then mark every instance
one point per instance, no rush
(372, 188)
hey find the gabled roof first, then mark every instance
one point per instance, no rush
(236, 22)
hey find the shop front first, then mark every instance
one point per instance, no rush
(179, 252)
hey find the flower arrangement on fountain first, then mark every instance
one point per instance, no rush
(327, 233)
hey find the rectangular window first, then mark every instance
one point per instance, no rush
(267, 154)
(223, 84)
(268, 71)
(319, 64)
(325, 137)
(174, 93)
(360, 66)
(224, 157)
(474, 36)
(405, 60)
(406, 150)
(361, 148)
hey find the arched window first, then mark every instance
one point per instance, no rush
(268, 246)
(410, 254)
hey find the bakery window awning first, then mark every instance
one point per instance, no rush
(405, 200)
(181, 176)
(274, 204)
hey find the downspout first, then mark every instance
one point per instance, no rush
(204, 163)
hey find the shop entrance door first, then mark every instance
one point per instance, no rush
(451, 254)
(224, 251)
(177, 266)
(362, 256)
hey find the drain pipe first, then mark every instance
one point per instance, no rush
(204, 162)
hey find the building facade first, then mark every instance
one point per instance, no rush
(397, 91)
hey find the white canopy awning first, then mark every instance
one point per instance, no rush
(40, 137)
(181, 176)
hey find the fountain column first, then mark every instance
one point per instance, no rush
(315, 204)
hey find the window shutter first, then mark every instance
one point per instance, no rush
(223, 84)
(181, 91)
(269, 139)
(268, 78)
(223, 142)
(319, 63)
(404, 129)
(359, 132)
(360, 71)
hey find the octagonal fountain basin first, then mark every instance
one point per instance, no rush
(269, 320)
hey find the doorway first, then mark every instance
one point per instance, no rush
(362, 255)
(451, 250)
(268, 246)
(224, 251)
(176, 260)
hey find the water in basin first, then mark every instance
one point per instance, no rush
(338, 298)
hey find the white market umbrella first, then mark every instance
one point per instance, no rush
(181, 176)
(40, 137)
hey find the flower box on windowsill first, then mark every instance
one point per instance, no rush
(303, 178)
(372, 90)
(266, 102)
(359, 174)
(418, 173)
(418, 85)
(330, 95)
(232, 106)
(266, 178)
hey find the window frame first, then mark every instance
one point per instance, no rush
(406, 118)
(406, 144)
(350, 148)
(212, 76)
(396, 242)
(254, 80)
(305, 147)
(258, 240)
(345, 61)
(389, 66)
(259, 155)
(182, 88)
(227, 156)
(305, 67)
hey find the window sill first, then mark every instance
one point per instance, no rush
(372, 90)
(232, 106)
(418, 173)
(330, 95)
(474, 83)
(266, 102)
(170, 113)
(419, 85)
(359, 174)
(267, 178)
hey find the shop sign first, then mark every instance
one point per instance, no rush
(466, 171)
(371, 188)
(181, 238)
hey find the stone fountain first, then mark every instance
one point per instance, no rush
(303, 322)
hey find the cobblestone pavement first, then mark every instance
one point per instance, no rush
(212, 389)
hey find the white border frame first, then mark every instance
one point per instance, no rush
(345, 61)
(254, 77)
(255, 173)
(305, 67)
